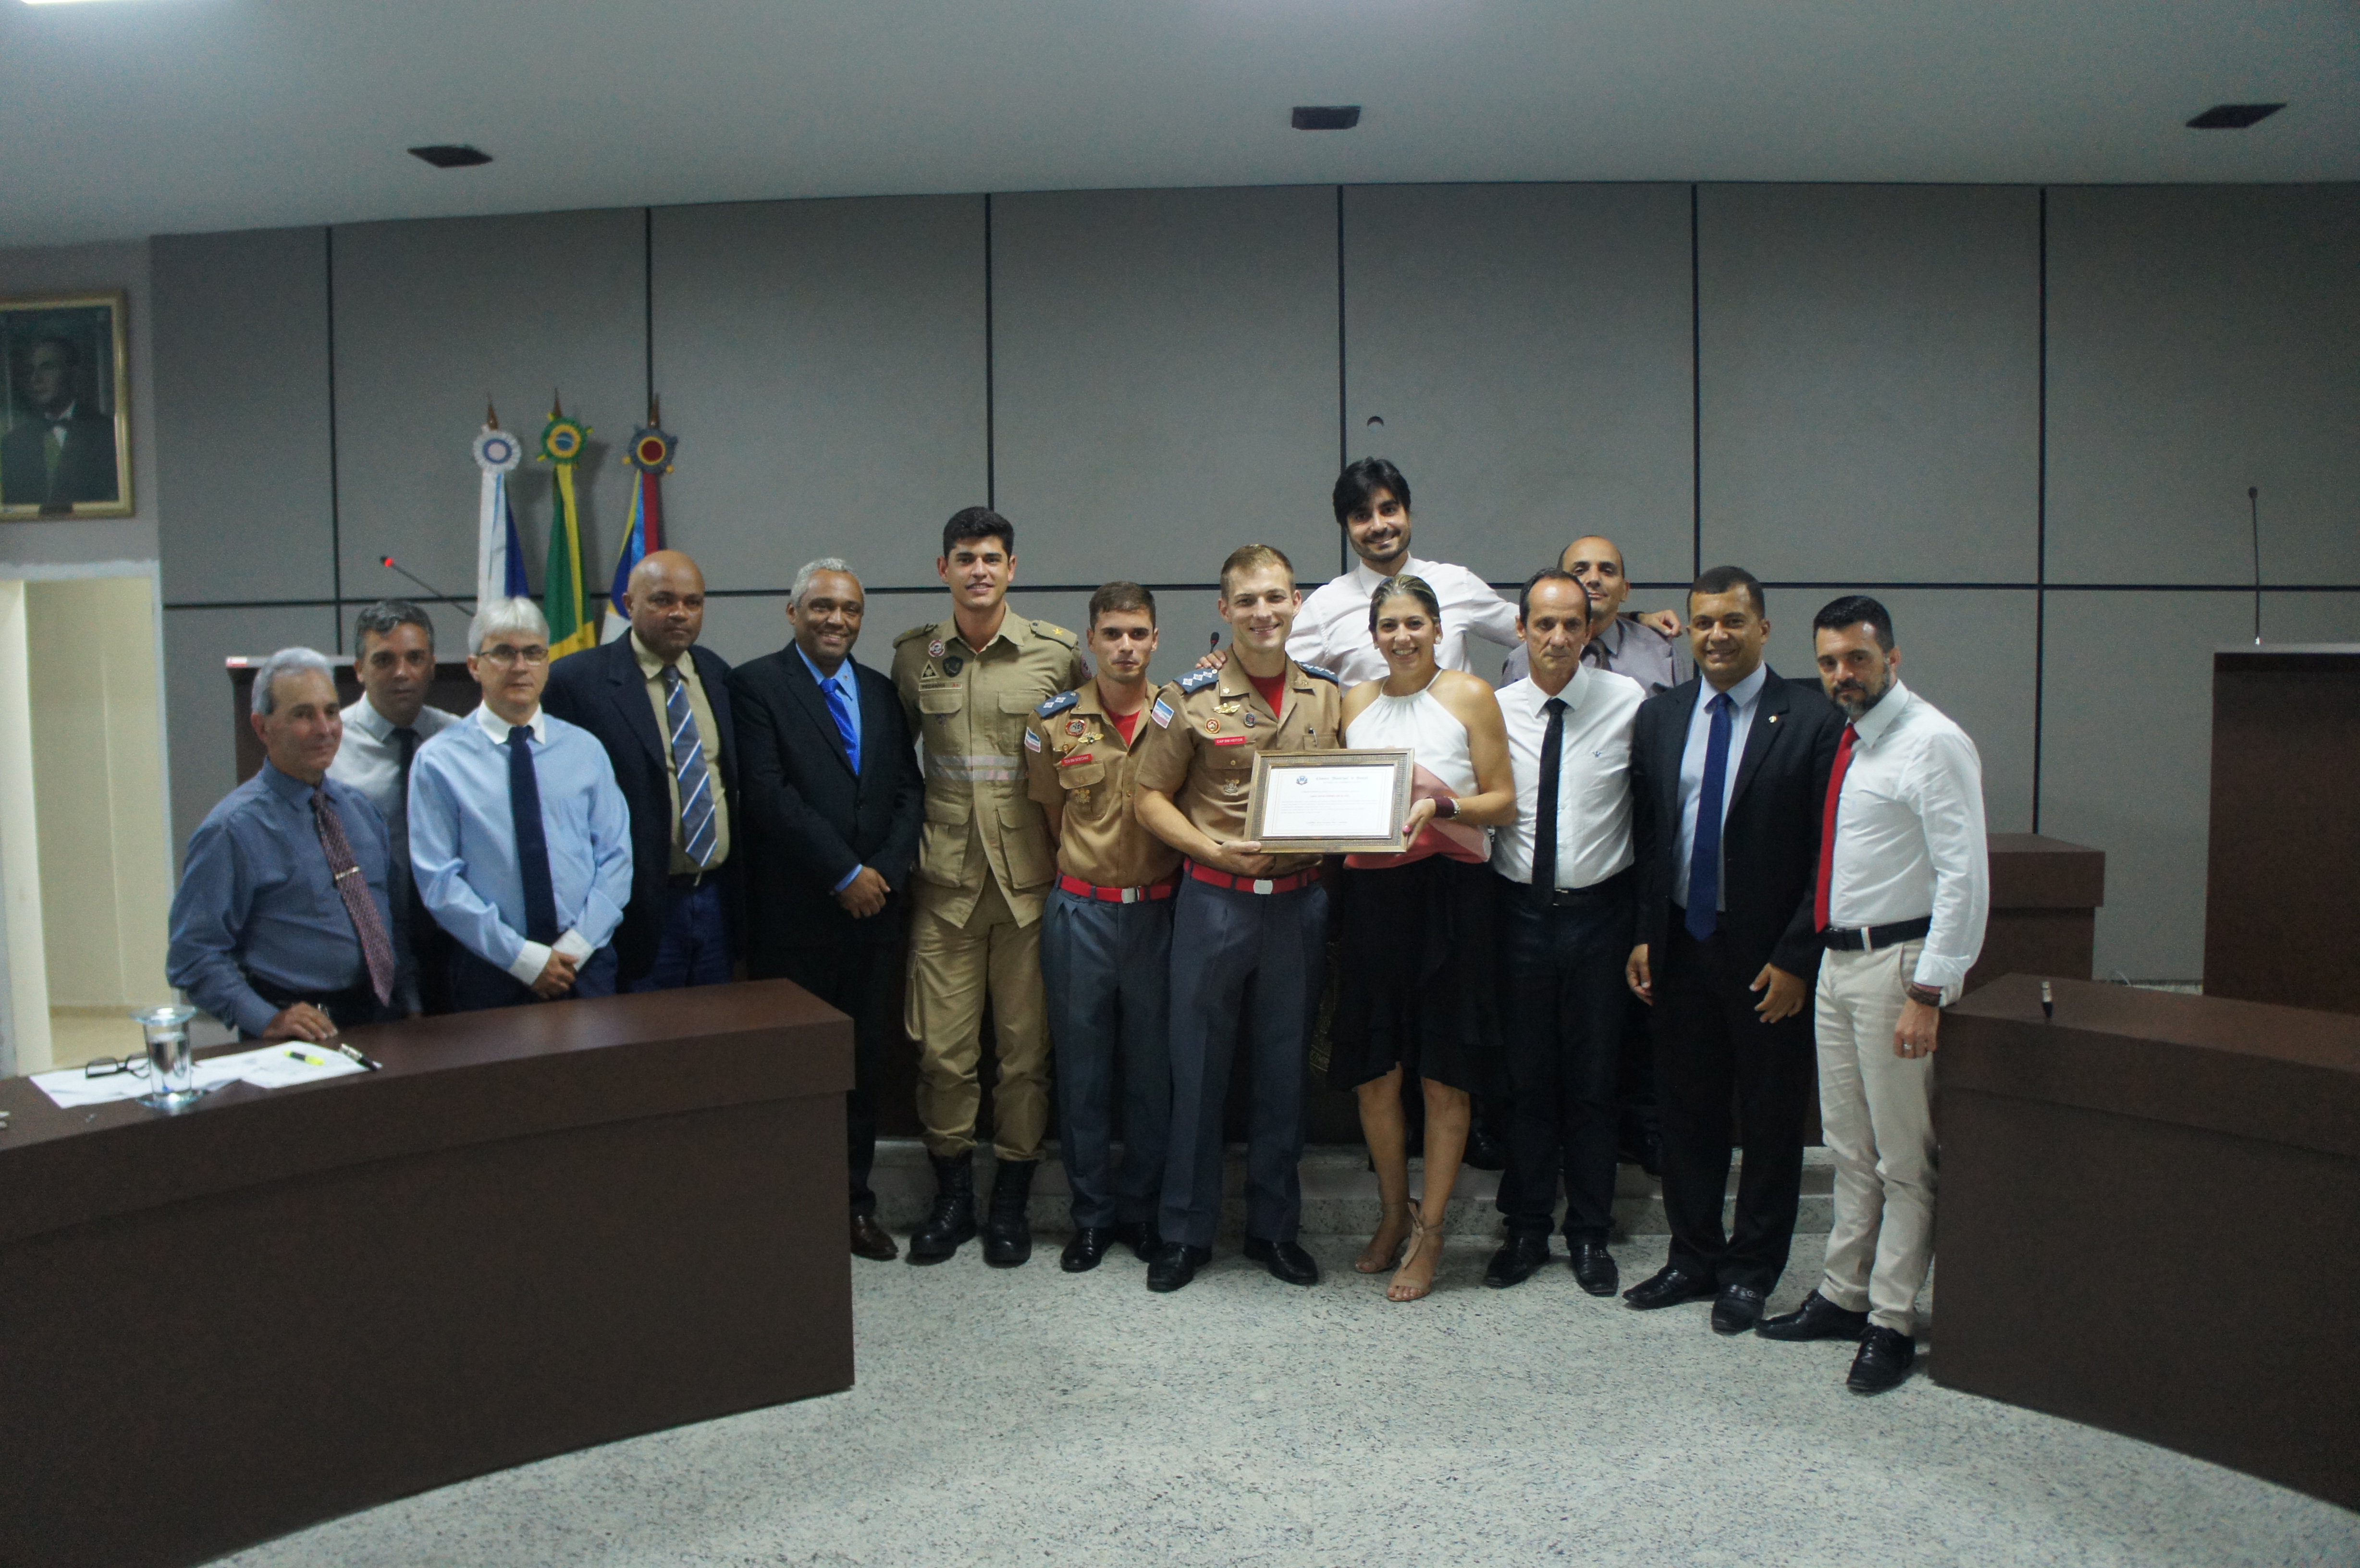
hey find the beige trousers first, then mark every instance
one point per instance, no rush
(1878, 1112)
(952, 967)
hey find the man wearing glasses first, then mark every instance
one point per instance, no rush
(518, 837)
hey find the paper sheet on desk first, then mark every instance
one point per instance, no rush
(266, 1067)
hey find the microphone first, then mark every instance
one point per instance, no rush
(2254, 505)
(389, 563)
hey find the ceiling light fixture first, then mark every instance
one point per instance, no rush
(446, 157)
(1326, 118)
(2232, 116)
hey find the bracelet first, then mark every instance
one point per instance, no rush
(1924, 996)
(1447, 808)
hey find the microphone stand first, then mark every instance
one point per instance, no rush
(2254, 505)
(387, 561)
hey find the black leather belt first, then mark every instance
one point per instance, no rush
(1575, 898)
(1864, 939)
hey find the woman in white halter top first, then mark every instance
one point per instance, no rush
(1416, 947)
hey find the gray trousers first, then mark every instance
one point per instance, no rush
(1250, 960)
(1108, 971)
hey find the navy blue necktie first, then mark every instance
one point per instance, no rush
(532, 842)
(1704, 860)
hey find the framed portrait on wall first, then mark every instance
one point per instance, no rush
(65, 413)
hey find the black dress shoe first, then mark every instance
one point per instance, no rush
(1285, 1260)
(1594, 1269)
(1090, 1245)
(1738, 1309)
(1668, 1286)
(1141, 1237)
(1519, 1261)
(1176, 1266)
(869, 1240)
(1885, 1359)
(1817, 1317)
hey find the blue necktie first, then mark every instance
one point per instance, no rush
(1704, 860)
(532, 842)
(697, 833)
(841, 707)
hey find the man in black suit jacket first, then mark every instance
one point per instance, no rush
(659, 704)
(1728, 771)
(833, 801)
(63, 452)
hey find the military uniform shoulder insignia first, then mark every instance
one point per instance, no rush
(1058, 704)
(1326, 675)
(1056, 634)
(1196, 681)
(926, 631)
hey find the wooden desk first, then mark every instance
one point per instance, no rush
(2151, 1220)
(536, 1229)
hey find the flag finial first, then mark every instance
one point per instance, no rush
(491, 415)
(556, 409)
(655, 409)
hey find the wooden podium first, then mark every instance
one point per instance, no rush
(2045, 897)
(2151, 1220)
(536, 1230)
(2285, 844)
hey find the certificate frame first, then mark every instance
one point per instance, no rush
(1400, 762)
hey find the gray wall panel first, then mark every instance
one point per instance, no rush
(1164, 375)
(432, 316)
(2201, 341)
(200, 724)
(242, 415)
(2309, 617)
(2127, 762)
(1870, 380)
(1968, 651)
(823, 363)
(1527, 349)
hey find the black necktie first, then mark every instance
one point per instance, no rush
(408, 910)
(1545, 816)
(531, 844)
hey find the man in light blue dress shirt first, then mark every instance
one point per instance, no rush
(518, 836)
(284, 891)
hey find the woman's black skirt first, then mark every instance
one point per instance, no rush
(1418, 977)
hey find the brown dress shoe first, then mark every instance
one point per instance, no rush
(869, 1240)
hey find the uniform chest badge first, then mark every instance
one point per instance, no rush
(1077, 726)
(1231, 706)
(953, 664)
(1212, 727)
(1251, 721)
(935, 647)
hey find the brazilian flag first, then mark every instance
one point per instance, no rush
(571, 629)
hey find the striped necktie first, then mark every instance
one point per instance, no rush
(696, 832)
(353, 888)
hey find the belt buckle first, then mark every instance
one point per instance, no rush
(1265, 885)
(1133, 894)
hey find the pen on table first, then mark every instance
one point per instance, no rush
(2047, 1002)
(356, 1056)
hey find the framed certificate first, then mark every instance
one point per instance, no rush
(1330, 803)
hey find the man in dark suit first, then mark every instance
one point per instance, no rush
(833, 801)
(659, 704)
(64, 450)
(1728, 774)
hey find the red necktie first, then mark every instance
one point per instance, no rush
(353, 888)
(1828, 820)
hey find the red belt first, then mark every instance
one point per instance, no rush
(1255, 883)
(1081, 889)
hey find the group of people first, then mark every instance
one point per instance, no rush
(1602, 846)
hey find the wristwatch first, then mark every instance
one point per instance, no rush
(1924, 996)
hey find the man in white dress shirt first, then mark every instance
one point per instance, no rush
(1567, 903)
(393, 655)
(1903, 890)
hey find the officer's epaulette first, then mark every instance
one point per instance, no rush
(1326, 675)
(1056, 632)
(1058, 704)
(927, 631)
(1196, 681)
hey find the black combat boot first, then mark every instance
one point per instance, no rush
(1008, 1233)
(952, 1219)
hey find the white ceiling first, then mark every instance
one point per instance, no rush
(126, 117)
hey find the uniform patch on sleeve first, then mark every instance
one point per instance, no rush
(1058, 704)
(1031, 739)
(1160, 714)
(1196, 681)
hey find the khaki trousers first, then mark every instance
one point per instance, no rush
(952, 967)
(1878, 1112)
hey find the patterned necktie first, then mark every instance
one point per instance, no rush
(1704, 861)
(531, 838)
(1828, 821)
(353, 888)
(840, 707)
(1544, 826)
(696, 831)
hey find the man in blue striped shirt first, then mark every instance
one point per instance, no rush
(518, 837)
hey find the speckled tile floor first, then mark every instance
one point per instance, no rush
(1030, 1417)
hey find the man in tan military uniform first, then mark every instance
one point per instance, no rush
(984, 866)
(1248, 930)
(1106, 937)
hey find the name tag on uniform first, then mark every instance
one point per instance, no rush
(1233, 740)
(1074, 761)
